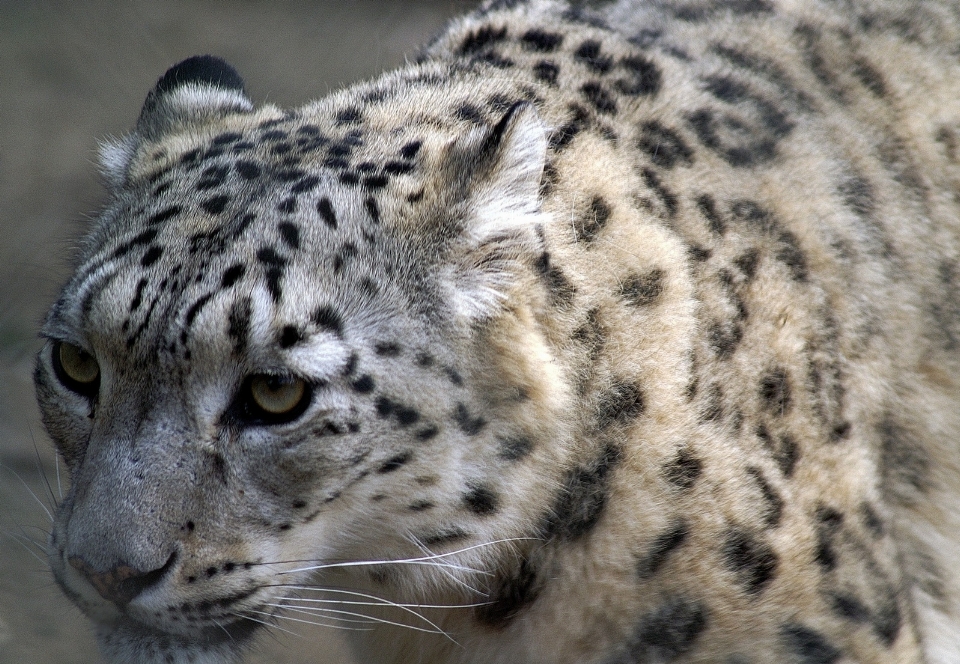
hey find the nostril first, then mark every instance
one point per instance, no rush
(121, 583)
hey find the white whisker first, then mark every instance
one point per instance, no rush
(43, 475)
(30, 491)
(429, 559)
(374, 619)
(300, 620)
(19, 539)
(381, 602)
(265, 623)
(387, 602)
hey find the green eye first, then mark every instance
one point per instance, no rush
(270, 399)
(76, 369)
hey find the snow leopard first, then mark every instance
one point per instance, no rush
(604, 333)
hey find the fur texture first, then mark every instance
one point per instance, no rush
(623, 334)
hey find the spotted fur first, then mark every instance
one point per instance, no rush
(643, 317)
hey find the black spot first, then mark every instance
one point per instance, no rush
(305, 185)
(364, 384)
(274, 135)
(372, 209)
(215, 205)
(192, 313)
(561, 138)
(751, 560)
(287, 205)
(239, 324)
(660, 549)
(428, 432)
(395, 462)
(470, 113)
(581, 500)
(468, 424)
(480, 39)
(546, 71)
(540, 40)
(443, 537)
(595, 93)
(724, 338)
(644, 77)
(588, 226)
(410, 150)
(665, 147)
(327, 318)
(231, 275)
(667, 197)
(141, 239)
(349, 115)
(561, 290)
(748, 134)
(514, 448)
(375, 181)
(872, 520)
(151, 256)
(871, 78)
(226, 138)
(747, 262)
(810, 646)
(513, 590)
(387, 349)
(829, 522)
(708, 209)
(667, 632)
(481, 500)
(421, 505)
(404, 415)
(325, 208)
(289, 336)
(590, 54)
(684, 470)
(621, 403)
(643, 289)
(774, 503)
(290, 233)
(274, 265)
(138, 295)
(397, 167)
(775, 391)
(494, 59)
(212, 177)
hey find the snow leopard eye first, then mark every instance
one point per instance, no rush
(272, 399)
(76, 369)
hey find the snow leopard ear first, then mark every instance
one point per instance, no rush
(195, 89)
(500, 189)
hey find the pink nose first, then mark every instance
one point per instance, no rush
(122, 583)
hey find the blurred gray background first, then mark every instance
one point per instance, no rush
(75, 71)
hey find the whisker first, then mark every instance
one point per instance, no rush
(429, 559)
(386, 602)
(43, 475)
(265, 623)
(29, 490)
(19, 539)
(308, 622)
(381, 602)
(383, 621)
(316, 611)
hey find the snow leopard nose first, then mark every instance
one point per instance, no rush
(122, 583)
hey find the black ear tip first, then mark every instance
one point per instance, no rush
(205, 69)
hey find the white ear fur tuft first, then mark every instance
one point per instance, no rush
(502, 212)
(115, 157)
